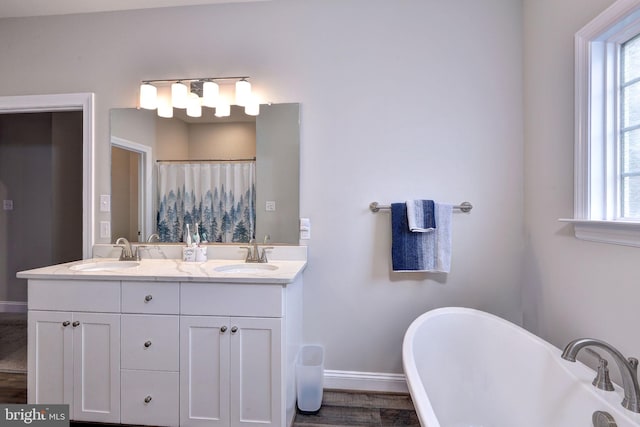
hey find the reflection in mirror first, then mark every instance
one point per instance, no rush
(195, 151)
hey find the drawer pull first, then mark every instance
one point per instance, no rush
(148, 298)
(66, 323)
(147, 344)
(75, 324)
(234, 329)
(147, 399)
(223, 329)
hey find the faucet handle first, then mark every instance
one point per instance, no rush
(602, 379)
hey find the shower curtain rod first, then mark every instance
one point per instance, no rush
(206, 160)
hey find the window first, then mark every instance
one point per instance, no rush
(629, 137)
(607, 151)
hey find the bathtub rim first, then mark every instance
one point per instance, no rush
(579, 371)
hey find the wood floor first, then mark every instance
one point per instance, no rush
(338, 409)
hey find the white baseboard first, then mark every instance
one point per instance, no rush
(365, 381)
(13, 307)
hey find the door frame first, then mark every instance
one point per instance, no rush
(145, 182)
(68, 102)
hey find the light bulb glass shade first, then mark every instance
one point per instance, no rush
(223, 109)
(252, 108)
(243, 92)
(194, 107)
(179, 95)
(165, 109)
(148, 96)
(210, 93)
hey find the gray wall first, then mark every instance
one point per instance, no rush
(399, 99)
(573, 288)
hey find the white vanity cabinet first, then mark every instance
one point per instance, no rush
(236, 353)
(74, 356)
(231, 371)
(161, 350)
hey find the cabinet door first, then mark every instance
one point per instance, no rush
(96, 372)
(256, 372)
(204, 371)
(50, 358)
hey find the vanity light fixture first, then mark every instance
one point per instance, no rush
(194, 105)
(193, 94)
(223, 109)
(179, 95)
(148, 96)
(243, 92)
(210, 93)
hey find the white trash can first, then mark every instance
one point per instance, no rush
(310, 378)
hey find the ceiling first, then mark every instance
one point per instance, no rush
(24, 8)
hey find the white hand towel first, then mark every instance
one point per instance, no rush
(421, 215)
(443, 237)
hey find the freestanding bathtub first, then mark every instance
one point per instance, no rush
(468, 368)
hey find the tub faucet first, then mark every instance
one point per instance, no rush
(628, 368)
(127, 253)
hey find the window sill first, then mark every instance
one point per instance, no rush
(614, 232)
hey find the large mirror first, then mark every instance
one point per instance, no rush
(264, 149)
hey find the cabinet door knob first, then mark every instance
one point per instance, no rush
(75, 324)
(147, 399)
(148, 298)
(147, 344)
(66, 323)
(223, 329)
(234, 329)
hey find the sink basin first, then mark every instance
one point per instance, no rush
(246, 268)
(105, 266)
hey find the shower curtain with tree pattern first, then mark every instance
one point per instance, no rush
(218, 196)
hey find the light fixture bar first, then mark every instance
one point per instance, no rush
(194, 79)
(194, 93)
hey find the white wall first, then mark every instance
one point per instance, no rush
(573, 288)
(399, 99)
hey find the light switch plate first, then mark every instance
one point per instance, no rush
(105, 229)
(305, 229)
(105, 203)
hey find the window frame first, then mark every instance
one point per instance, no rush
(596, 159)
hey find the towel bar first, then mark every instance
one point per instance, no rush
(463, 207)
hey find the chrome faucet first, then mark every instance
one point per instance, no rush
(253, 252)
(628, 368)
(127, 253)
(153, 238)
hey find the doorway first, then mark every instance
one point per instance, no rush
(27, 229)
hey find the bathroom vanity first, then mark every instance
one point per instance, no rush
(165, 342)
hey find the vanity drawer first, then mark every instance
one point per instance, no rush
(150, 297)
(231, 299)
(150, 398)
(102, 296)
(150, 342)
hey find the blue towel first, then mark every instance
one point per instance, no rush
(421, 251)
(421, 215)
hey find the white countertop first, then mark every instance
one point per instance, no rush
(161, 270)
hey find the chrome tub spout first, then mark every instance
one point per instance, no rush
(628, 368)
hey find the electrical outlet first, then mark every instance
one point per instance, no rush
(105, 203)
(270, 206)
(7, 205)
